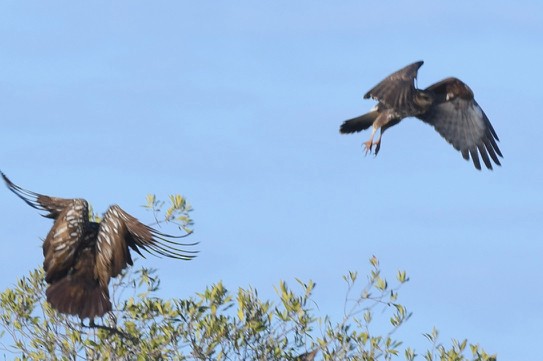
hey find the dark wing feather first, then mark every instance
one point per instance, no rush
(398, 89)
(460, 120)
(65, 237)
(54, 206)
(119, 231)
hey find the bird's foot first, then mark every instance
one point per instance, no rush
(377, 146)
(368, 146)
(90, 325)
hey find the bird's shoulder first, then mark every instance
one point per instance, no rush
(450, 89)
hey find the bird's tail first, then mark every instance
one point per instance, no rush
(359, 123)
(77, 296)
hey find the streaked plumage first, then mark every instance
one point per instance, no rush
(81, 256)
(449, 106)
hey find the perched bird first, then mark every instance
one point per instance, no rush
(81, 256)
(449, 106)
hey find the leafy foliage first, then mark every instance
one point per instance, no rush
(216, 324)
(213, 325)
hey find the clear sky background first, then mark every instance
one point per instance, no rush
(237, 106)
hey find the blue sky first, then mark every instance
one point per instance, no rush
(237, 106)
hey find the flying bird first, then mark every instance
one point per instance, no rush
(449, 106)
(81, 256)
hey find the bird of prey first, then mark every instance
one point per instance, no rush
(81, 256)
(448, 106)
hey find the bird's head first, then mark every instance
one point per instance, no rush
(424, 99)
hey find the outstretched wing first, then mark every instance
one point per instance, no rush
(67, 234)
(54, 206)
(119, 231)
(398, 90)
(460, 120)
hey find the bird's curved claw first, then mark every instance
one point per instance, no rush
(377, 147)
(368, 146)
